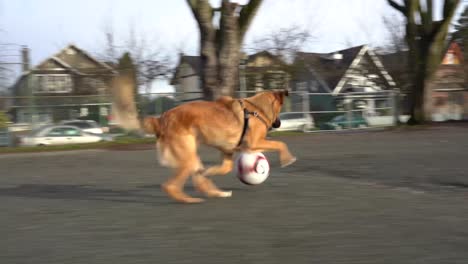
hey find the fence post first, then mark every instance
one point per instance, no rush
(305, 102)
(349, 113)
(395, 104)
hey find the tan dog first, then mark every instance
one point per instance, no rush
(219, 124)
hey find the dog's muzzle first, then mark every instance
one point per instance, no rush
(277, 123)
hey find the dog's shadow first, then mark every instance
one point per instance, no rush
(84, 192)
(139, 195)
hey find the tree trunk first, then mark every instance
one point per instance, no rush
(220, 47)
(426, 40)
(417, 104)
(229, 50)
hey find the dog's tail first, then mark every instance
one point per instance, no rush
(152, 125)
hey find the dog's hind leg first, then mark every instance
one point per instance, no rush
(188, 162)
(206, 186)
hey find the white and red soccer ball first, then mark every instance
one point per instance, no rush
(252, 168)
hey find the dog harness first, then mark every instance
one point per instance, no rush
(247, 114)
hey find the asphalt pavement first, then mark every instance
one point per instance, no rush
(368, 197)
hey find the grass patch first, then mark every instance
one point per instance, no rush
(285, 133)
(119, 141)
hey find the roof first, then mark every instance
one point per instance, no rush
(57, 59)
(265, 53)
(193, 61)
(328, 66)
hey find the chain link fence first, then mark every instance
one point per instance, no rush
(302, 111)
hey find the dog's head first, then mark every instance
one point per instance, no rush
(278, 102)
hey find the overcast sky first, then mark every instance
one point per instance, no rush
(46, 26)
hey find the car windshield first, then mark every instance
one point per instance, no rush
(36, 131)
(83, 124)
(338, 118)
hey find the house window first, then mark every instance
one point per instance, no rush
(314, 86)
(52, 83)
(94, 85)
(301, 86)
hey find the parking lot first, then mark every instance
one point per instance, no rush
(352, 197)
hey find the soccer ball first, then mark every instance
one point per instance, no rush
(252, 168)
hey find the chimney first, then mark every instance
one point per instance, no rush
(25, 59)
(337, 56)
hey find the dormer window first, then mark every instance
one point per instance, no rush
(70, 51)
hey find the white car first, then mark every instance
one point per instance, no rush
(58, 135)
(294, 121)
(86, 125)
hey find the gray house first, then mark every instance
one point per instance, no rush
(263, 71)
(357, 69)
(45, 91)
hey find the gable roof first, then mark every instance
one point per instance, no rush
(333, 67)
(56, 59)
(193, 61)
(453, 48)
(264, 53)
(375, 60)
(330, 66)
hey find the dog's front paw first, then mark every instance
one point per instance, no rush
(288, 162)
(220, 194)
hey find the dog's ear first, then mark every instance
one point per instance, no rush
(279, 95)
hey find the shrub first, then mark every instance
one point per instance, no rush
(3, 120)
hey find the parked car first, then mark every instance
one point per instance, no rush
(89, 126)
(59, 135)
(341, 122)
(295, 122)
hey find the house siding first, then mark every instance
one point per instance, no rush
(86, 77)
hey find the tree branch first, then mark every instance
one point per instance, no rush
(202, 11)
(450, 6)
(192, 4)
(246, 15)
(401, 8)
(426, 18)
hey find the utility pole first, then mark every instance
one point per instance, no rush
(25, 60)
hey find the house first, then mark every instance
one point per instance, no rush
(262, 71)
(187, 78)
(449, 87)
(65, 85)
(331, 75)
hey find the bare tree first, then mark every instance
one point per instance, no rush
(396, 34)
(151, 61)
(220, 42)
(10, 59)
(427, 40)
(283, 42)
(148, 63)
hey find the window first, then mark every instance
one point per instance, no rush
(71, 132)
(52, 83)
(63, 132)
(83, 124)
(301, 86)
(56, 132)
(314, 86)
